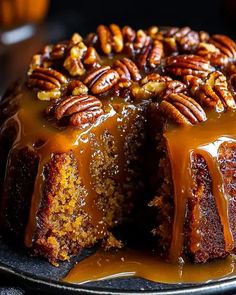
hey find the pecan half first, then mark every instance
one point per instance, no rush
(193, 83)
(135, 41)
(127, 69)
(101, 79)
(214, 93)
(110, 38)
(183, 65)
(128, 34)
(181, 39)
(212, 53)
(182, 109)
(226, 45)
(150, 55)
(80, 109)
(46, 79)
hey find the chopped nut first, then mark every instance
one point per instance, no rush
(73, 63)
(49, 95)
(91, 57)
(76, 87)
(182, 109)
(193, 83)
(156, 86)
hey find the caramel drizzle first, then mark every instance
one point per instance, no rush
(31, 127)
(146, 264)
(203, 139)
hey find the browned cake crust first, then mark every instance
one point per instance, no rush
(115, 121)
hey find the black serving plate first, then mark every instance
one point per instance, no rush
(19, 269)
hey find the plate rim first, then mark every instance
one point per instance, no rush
(222, 286)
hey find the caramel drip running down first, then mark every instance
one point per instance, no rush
(146, 264)
(203, 139)
(32, 127)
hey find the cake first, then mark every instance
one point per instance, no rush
(119, 122)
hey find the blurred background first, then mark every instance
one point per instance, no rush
(26, 25)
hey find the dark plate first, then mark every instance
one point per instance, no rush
(31, 273)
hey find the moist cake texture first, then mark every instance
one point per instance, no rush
(119, 122)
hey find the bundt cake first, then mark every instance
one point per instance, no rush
(120, 120)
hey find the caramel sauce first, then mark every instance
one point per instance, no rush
(203, 139)
(32, 126)
(147, 265)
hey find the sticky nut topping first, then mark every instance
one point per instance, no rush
(136, 65)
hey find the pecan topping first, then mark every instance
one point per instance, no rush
(80, 109)
(150, 55)
(110, 38)
(183, 65)
(127, 69)
(214, 92)
(73, 62)
(101, 79)
(182, 109)
(225, 45)
(181, 39)
(46, 79)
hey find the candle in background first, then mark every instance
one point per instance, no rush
(19, 12)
